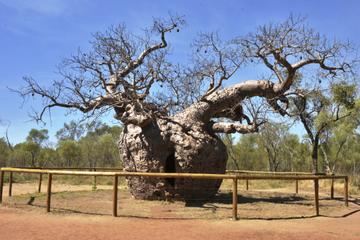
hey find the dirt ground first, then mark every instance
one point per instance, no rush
(16, 224)
(78, 213)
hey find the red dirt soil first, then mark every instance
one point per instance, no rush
(18, 224)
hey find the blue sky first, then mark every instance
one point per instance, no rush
(36, 34)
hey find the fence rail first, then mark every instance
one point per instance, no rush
(271, 173)
(235, 176)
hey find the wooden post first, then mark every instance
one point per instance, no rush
(94, 187)
(316, 189)
(10, 183)
(247, 184)
(332, 189)
(235, 199)
(346, 191)
(296, 186)
(48, 197)
(40, 181)
(115, 195)
(1, 185)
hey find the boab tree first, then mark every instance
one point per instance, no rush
(172, 114)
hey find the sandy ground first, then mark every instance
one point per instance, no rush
(15, 224)
(78, 213)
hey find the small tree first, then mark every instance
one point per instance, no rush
(336, 138)
(4, 152)
(34, 142)
(70, 131)
(273, 137)
(69, 152)
(321, 111)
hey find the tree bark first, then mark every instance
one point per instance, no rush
(314, 156)
(172, 145)
(186, 142)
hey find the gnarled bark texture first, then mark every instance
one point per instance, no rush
(185, 142)
(172, 145)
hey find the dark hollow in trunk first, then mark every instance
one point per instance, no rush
(170, 168)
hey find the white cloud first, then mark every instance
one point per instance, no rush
(44, 7)
(23, 17)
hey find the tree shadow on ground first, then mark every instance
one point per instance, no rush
(223, 200)
(67, 210)
(226, 198)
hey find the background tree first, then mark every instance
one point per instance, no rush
(49, 157)
(4, 152)
(246, 154)
(336, 138)
(99, 146)
(34, 142)
(174, 130)
(272, 138)
(268, 150)
(291, 155)
(69, 152)
(320, 111)
(70, 131)
(37, 136)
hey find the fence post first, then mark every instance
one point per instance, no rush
(48, 197)
(297, 186)
(94, 187)
(1, 184)
(40, 181)
(332, 189)
(115, 195)
(235, 199)
(247, 184)
(346, 191)
(316, 189)
(10, 183)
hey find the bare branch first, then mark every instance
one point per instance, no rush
(120, 70)
(133, 75)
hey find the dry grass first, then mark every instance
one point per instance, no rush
(305, 186)
(264, 200)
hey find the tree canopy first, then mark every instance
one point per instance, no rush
(133, 75)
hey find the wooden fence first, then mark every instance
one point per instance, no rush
(235, 176)
(246, 172)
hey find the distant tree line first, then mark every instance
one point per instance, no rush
(78, 145)
(275, 148)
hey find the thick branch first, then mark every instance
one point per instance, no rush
(225, 127)
(207, 108)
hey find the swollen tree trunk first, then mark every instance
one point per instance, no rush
(185, 142)
(172, 145)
